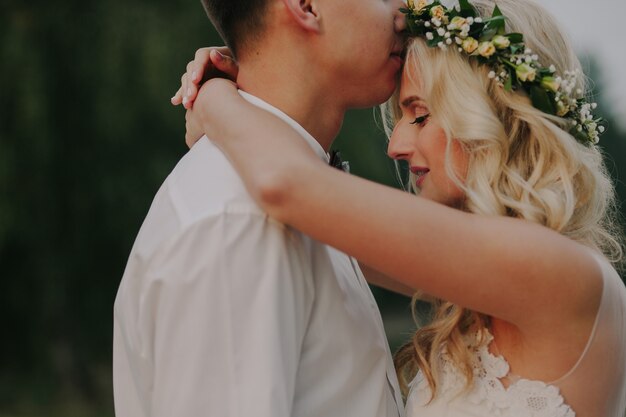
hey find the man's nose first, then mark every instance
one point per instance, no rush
(399, 17)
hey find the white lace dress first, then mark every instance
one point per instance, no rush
(594, 387)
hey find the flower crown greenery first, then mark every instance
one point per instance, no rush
(513, 65)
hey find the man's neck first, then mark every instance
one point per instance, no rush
(296, 96)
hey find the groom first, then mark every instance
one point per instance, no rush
(221, 310)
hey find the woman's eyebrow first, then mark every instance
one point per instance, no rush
(407, 101)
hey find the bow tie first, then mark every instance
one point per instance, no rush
(337, 162)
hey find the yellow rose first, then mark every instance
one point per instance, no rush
(410, 4)
(525, 72)
(438, 12)
(486, 49)
(456, 23)
(469, 45)
(421, 4)
(501, 42)
(550, 83)
(561, 109)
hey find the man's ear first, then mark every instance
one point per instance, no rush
(304, 13)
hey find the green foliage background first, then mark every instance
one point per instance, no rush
(87, 135)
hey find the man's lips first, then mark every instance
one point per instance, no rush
(397, 57)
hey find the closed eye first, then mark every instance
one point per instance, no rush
(421, 119)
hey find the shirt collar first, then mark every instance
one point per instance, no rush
(295, 125)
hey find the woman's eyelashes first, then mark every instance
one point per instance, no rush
(421, 120)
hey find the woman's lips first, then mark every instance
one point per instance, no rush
(420, 173)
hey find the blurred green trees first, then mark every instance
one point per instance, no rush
(87, 135)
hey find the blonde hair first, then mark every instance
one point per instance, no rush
(522, 164)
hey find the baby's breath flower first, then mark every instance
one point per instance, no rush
(453, 26)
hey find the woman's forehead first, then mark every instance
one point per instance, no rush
(410, 84)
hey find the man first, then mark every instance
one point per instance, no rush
(223, 311)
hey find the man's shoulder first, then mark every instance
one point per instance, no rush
(204, 183)
(202, 187)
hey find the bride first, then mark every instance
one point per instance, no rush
(511, 235)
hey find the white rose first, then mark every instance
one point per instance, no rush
(501, 42)
(525, 72)
(457, 23)
(550, 83)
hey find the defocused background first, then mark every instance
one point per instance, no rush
(87, 135)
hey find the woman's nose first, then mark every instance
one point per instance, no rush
(399, 147)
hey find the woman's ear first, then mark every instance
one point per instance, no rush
(304, 13)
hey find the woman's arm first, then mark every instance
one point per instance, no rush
(512, 269)
(378, 279)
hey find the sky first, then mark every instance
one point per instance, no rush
(595, 28)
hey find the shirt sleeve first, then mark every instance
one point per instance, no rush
(224, 318)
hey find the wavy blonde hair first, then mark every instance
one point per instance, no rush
(522, 164)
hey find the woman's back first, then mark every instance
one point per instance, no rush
(594, 387)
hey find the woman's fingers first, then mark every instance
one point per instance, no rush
(201, 61)
(178, 97)
(211, 97)
(224, 64)
(208, 63)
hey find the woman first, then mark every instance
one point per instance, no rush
(511, 236)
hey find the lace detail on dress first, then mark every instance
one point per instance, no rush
(522, 398)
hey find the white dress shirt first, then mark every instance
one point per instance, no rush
(224, 312)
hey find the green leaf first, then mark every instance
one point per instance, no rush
(433, 42)
(404, 10)
(487, 35)
(411, 25)
(580, 136)
(496, 22)
(544, 72)
(515, 37)
(467, 10)
(541, 100)
(496, 12)
(508, 84)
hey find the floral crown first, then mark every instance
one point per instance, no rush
(513, 65)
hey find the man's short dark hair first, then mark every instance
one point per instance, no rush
(237, 21)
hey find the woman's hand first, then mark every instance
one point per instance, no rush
(208, 63)
(217, 98)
